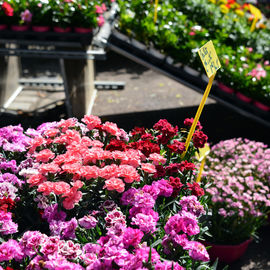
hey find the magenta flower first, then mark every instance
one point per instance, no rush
(26, 16)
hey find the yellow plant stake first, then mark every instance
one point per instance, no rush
(211, 64)
(203, 152)
(155, 14)
(257, 16)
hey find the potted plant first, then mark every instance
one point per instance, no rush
(42, 15)
(62, 12)
(238, 170)
(87, 16)
(22, 15)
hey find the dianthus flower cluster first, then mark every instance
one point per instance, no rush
(90, 196)
(240, 173)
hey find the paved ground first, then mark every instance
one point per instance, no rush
(147, 98)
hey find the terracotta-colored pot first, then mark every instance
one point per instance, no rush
(243, 97)
(3, 27)
(227, 253)
(83, 30)
(261, 106)
(225, 88)
(61, 29)
(19, 28)
(37, 28)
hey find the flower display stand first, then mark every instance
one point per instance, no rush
(76, 66)
(75, 52)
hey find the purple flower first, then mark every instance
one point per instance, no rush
(165, 189)
(146, 223)
(7, 190)
(64, 229)
(7, 226)
(132, 237)
(191, 204)
(26, 16)
(31, 241)
(197, 251)
(5, 165)
(91, 248)
(11, 178)
(51, 213)
(10, 250)
(88, 222)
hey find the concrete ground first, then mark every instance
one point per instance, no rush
(148, 97)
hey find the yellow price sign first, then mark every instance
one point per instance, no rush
(209, 58)
(257, 16)
(203, 152)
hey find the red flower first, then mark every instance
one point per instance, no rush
(166, 129)
(189, 121)
(6, 204)
(161, 172)
(7, 9)
(172, 168)
(8, 268)
(146, 147)
(184, 165)
(177, 147)
(199, 139)
(137, 131)
(195, 189)
(175, 182)
(116, 145)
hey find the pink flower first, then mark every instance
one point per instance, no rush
(197, 251)
(26, 16)
(149, 168)
(99, 9)
(44, 155)
(10, 250)
(157, 159)
(109, 127)
(91, 121)
(115, 184)
(101, 20)
(88, 222)
(129, 173)
(192, 33)
(49, 168)
(258, 72)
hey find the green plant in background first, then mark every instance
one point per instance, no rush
(182, 27)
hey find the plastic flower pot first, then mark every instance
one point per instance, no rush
(243, 97)
(19, 28)
(82, 30)
(40, 28)
(61, 29)
(225, 88)
(3, 27)
(227, 253)
(261, 106)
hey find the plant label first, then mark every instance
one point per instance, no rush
(209, 58)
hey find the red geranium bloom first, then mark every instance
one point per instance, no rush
(7, 9)
(195, 189)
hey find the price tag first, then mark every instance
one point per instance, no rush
(257, 16)
(209, 58)
(203, 152)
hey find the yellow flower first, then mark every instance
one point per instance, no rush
(224, 9)
(240, 12)
(213, 1)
